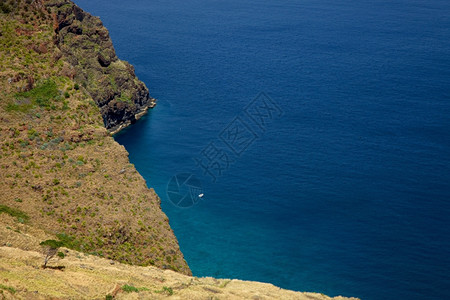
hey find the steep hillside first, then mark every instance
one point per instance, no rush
(58, 163)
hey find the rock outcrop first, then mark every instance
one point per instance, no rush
(85, 43)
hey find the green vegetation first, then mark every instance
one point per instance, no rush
(167, 290)
(20, 215)
(225, 283)
(51, 243)
(50, 249)
(125, 98)
(69, 242)
(43, 95)
(129, 289)
(5, 8)
(8, 288)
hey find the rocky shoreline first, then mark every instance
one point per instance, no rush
(116, 129)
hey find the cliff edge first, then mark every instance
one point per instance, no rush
(60, 169)
(81, 276)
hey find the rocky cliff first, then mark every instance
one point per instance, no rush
(85, 43)
(60, 169)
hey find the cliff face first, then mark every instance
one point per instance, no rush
(85, 43)
(60, 169)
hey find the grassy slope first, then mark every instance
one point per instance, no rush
(57, 162)
(90, 277)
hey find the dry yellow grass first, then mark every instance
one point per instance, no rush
(90, 277)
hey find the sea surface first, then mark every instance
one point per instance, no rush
(342, 184)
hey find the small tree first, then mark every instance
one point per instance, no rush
(50, 250)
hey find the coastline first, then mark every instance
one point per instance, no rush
(127, 123)
(70, 178)
(80, 180)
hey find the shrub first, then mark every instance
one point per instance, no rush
(50, 249)
(167, 290)
(20, 215)
(69, 241)
(8, 288)
(129, 288)
(5, 8)
(41, 95)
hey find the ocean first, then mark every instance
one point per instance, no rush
(317, 132)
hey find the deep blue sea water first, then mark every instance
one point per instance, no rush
(347, 191)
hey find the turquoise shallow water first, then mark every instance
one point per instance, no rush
(346, 189)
